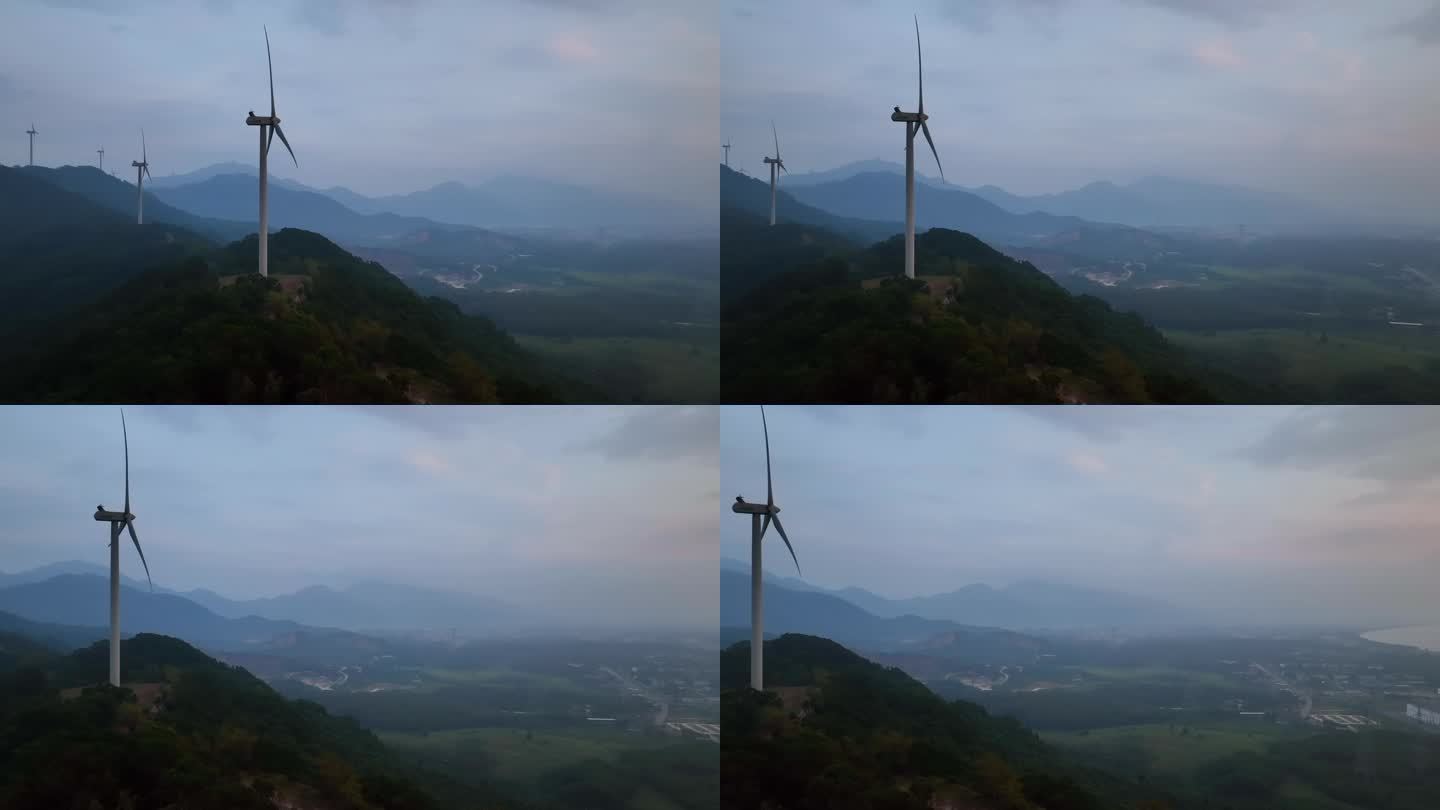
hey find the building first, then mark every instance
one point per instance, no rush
(1423, 714)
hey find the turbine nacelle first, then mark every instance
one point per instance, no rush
(914, 118)
(104, 516)
(262, 120)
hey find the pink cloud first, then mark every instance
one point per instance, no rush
(572, 47)
(1217, 53)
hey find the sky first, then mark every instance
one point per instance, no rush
(1324, 99)
(596, 515)
(1261, 514)
(380, 96)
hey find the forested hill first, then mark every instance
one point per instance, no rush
(184, 731)
(842, 732)
(325, 326)
(823, 324)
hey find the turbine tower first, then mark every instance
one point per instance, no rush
(776, 166)
(914, 122)
(726, 147)
(269, 127)
(757, 533)
(142, 170)
(101, 153)
(32, 133)
(120, 522)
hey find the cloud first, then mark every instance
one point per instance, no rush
(1390, 444)
(572, 47)
(1217, 53)
(1087, 463)
(430, 462)
(1228, 13)
(666, 432)
(1424, 28)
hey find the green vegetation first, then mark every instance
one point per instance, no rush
(324, 327)
(637, 369)
(843, 732)
(975, 326)
(1170, 752)
(185, 731)
(595, 767)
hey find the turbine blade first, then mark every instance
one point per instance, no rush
(781, 530)
(276, 130)
(920, 65)
(147, 171)
(926, 129)
(136, 541)
(764, 527)
(126, 435)
(777, 140)
(769, 487)
(143, 153)
(271, 66)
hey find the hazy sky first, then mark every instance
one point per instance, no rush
(604, 515)
(1252, 513)
(376, 95)
(1320, 97)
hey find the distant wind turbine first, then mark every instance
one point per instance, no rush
(914, 122)
(726, 147)
(757, 533)
(142, 171)
(101, 153)
(32, 133)
(120, 522)
(269, 127)
(776, 166)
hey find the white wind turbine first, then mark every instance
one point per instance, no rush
(142, 171)
(914, 122)
(269, 127)
(757, 533)
(32, 133)
(101, 153)
(120, 522)
(726, 147)
(776, 166)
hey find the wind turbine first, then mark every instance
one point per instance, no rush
(269, 127)
(32, 133)
(101, 153)
(142, 170)
(914, 122)
(757, 533)
(726, 147)
(776, 166)
(120, 522)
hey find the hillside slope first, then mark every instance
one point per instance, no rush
(118, 196)
(324, 327)
(193, 733)
(843, 733)
(975, 326)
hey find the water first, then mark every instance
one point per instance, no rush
(1424, 636)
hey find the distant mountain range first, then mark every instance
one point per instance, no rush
(813, 612)
(1149, 202)
(118, 197)
(84, 600)
(1019, 606)
(363, 607)
(507, 201)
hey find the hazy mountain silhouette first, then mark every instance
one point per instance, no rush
(752, 196)
(79, 599)
(506, 201)
(232, 196)
(788, 611)
(1026, 605)
(375, 606)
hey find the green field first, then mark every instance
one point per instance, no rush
(1156, 674)
(528, 763)
(1173, 752)
(1290, 356)
(649, 369)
